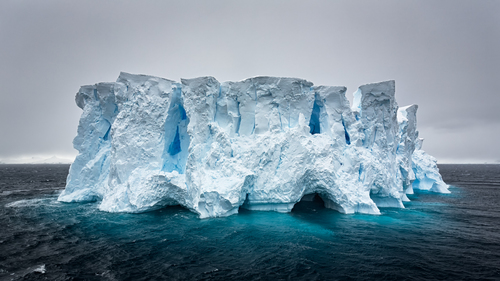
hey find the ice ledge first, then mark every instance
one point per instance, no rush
(263, 143)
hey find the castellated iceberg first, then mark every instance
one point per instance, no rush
(264, 143)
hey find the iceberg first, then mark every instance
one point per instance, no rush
(263, 143)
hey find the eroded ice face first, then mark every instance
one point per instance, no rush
(263, 143)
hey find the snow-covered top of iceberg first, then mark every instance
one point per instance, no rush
(263, 143)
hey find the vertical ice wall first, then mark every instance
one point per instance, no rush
(408, 134)
(263, 143)
(376, 108)
(88, 174)
(149, 145)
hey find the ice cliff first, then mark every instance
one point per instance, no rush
(263, 143)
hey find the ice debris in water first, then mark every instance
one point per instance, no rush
(40, 269)
(263, 143)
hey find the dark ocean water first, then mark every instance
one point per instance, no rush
(454, 236)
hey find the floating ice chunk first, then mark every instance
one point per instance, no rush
(40, 269)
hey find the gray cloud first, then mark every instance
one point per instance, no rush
(444, 56)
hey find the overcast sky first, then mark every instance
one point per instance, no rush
(444, 56)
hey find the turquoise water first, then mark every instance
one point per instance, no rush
(453, 236)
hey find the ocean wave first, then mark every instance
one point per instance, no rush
(32, 202)
(56, 190)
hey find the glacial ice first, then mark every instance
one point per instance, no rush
(263, 143)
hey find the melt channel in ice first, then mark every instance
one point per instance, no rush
(263, 143)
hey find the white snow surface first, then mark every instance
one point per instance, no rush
(262, 144)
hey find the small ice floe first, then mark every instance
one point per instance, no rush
(107, 274)
(211, 271)
(40, 269)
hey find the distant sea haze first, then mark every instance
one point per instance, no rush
(38, 160)
(437, 236)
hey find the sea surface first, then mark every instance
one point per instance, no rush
(437, 236)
